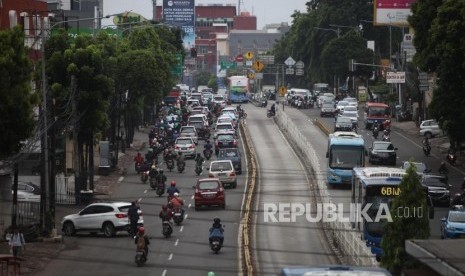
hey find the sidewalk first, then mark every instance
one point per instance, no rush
(38, 254)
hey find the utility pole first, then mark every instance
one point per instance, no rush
(76, 156)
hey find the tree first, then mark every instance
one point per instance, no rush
(440, 45)
(16, 99)
(403, 227)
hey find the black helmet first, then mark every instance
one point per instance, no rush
(160, 171)
(208, 141)
(217, 220)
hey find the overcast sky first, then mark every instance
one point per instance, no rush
(266, 11)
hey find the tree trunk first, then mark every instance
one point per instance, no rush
(91, 161)
(76, 153)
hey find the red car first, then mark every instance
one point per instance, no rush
(209, 192)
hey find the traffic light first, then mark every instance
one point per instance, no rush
(193, 53)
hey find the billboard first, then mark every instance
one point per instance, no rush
(181, 13)
(392, 12)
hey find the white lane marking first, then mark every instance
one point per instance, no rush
(164, 272)
(182, 228)
(176, 242)
(192, 197)
(145, 191)
(189, 206)
(170, 257)
(185, 216)
(121, 178)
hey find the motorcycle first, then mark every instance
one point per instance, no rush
(451, 158)
(167, 230)
(375, 132)
(443, 169)
(198, 168)
(153, 182)
(181, 166)
(427, 150)
(207, 153)
(386, 138)
(170, 164)
(140, 258)
(269, 114)
(144, 176)
(459, 199)
(138, 167)
(215, 245)
(177, 216)
(160, 188)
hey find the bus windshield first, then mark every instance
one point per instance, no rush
(375, 229)
(378, 111)
(345, 157)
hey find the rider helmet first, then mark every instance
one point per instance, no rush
(217, 220)
(173, 183)
(153, 167)
(160, 171)
(164, 207)
(141, 230)
(176, 194)
(150, 150)
(208, 141)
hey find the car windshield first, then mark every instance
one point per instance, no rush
(228, 153)
(218, 98)
(188, 130)
(327, 105)
(350, 114)
(184, 141)
(196, 112)
(383, 146)
(457, 217)
(208, 185)
(220, 166)
(420, 166)
(434, 182)
(225, 137)
(378, 111)
(343, 120)
(350, 108)
(345, 157)
(225, 126)
(342, 103)
(353, 100)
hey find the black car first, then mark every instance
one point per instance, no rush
(437, 187)
(343, 124)
(234, 155)
(382, 153)
(225, 140)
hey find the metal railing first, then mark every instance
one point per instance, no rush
(64, 190)
(347, 238)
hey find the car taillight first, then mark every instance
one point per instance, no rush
(192, 146)
(220, 190)
(210, 175)
(121, 215)
(235, 142)
(232, 174)
(176, 147)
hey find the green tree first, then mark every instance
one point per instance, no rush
(440, 45)
(412, 197)
(16, 98)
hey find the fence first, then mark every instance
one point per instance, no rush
(28, 212)
(64, 190)
(347, 238)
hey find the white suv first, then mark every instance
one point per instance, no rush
(430, 128)
(108, 218)
(224, 170)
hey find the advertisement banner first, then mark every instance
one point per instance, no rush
(392, 12)
(181, 13)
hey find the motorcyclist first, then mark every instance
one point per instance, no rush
(177, 202)
(139, 158)
(181, 159)
(375, 129)
(443, 168)
(426, 142)
(273, 109)
(175, 135)
(133, 215)
(216, 231)
(386, 136)
(387, 125)
(172, 189)
(165, 214)
(207, 147)
(150, 156)
(199, 160)
(153, 173)
(142, 241)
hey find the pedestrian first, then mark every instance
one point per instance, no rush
(133, 214)
(17, 242)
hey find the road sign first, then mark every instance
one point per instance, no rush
(258, 76)
(395, 77)
(267, 59)
(289, 71)
(299, 65)
(282, 91)
(239, 58)
(251, 75)
(289, 61)
(227, 65)
(248, 63)
(249, 55)
(422, 76)
(258, 66)
(299, 72)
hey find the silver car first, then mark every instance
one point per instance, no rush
(224, 170)
(430, 128)
(185, 145)
(190, 131)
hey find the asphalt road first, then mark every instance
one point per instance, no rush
(186, 252)
(409, 148)
(282, 179)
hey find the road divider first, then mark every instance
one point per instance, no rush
(344, 239)
(323, 126)
(245, 231)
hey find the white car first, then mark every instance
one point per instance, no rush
(340, 106)
(109, 218)
(430, 128)
(185, 145)
(224, 170)
(350, 108)
(353, 115)
(222, 128)
(220, 100)
(190, 131)
(226, 119)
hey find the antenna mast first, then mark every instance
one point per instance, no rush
(240, 2)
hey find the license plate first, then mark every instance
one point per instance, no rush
(222, 174)
(208, 195)
(183, 148)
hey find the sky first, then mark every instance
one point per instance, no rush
(266, 11)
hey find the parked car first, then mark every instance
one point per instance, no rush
(430, 128)
(185, 145)
(453, 225)
(108, 218)
(327, 109)
(437, 187)
(233, 154)
(209, 192)
(382, 152)
(27, 191)
(225, 140)
(190, 131)
(224, 170)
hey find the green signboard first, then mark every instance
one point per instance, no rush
(227, 65)
(177, 68)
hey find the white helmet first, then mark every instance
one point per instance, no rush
(176, 194)
(153, 167)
